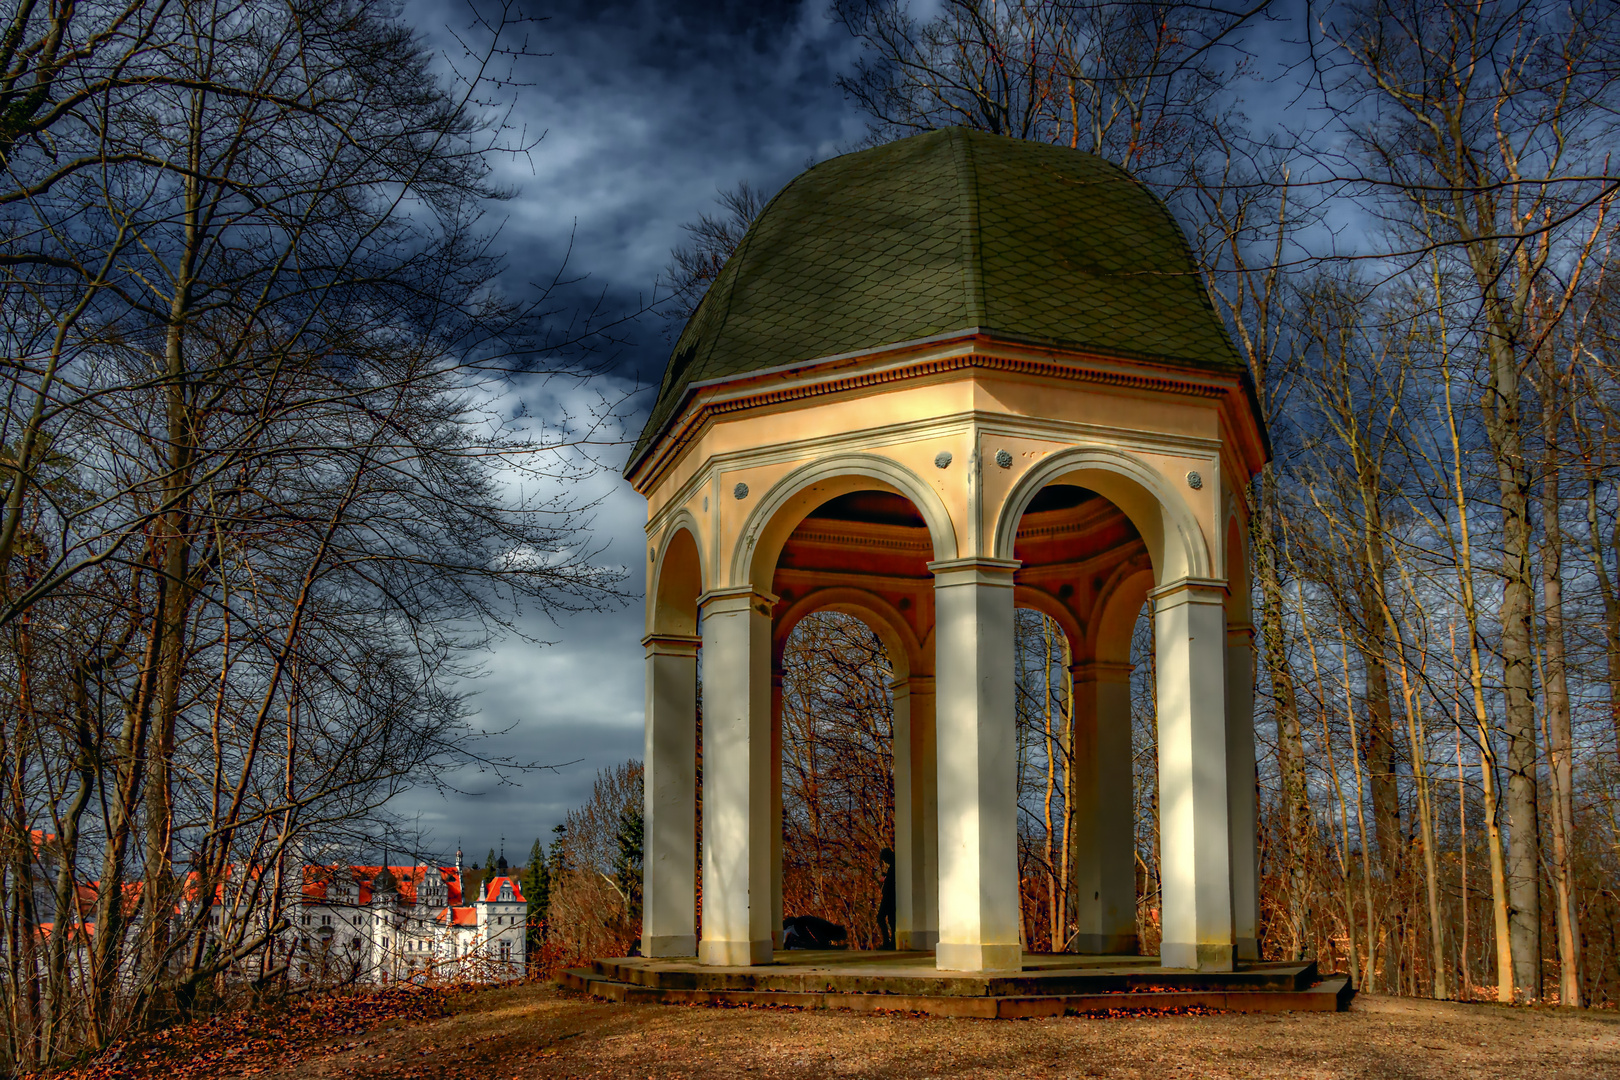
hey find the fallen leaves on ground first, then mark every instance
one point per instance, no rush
(537, 1032)
(244, 1043)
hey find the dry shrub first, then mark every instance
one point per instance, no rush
(595, 907)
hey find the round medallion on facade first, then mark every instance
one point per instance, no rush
(1004, 459)
(740, 491)
(1194, 481)
(942, 460)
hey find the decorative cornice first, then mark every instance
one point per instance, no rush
(855, 539)
(687, 421)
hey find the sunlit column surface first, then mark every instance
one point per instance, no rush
(1194, 838)
(976, 753)
(737, 889)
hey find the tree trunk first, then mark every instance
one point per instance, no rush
(1505, 431)
(1290, 738)
(1555, 680)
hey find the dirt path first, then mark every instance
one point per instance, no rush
(534, 1032)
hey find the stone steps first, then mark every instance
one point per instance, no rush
(1266, 988)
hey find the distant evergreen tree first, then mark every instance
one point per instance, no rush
(627, 864)
(558, 857)
(537, 892)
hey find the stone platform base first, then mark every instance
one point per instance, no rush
(1050, 985)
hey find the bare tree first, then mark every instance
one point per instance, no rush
(1488, 129)
(713, 238)
(263, 501)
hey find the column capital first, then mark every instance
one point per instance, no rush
(1188, 590)
(1239, 634)
(736, 600)
(996, 572)
(671, 644)
(913, 684)
(1103, 671)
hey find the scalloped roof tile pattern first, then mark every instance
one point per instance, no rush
(945, 231)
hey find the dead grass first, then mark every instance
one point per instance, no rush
(518, 1033)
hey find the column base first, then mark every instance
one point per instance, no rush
(1105, 944)
(1197, 957)
(669, 945)
(955, 956)
(916, 940)
(1248, 949)
(734, 953)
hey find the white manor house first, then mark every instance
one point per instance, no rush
(390, 923)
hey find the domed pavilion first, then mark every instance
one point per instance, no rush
(939, 380)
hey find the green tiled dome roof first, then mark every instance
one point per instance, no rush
(947, 231)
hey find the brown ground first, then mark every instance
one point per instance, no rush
(525, 1032)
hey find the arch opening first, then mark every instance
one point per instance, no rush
(837, 717)
(1175, 544)
(1085, 569)
(848, 489)
(854, 606)
(677, 584)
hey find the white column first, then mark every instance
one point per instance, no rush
(1102, 879)
(776, 802)
(1241, 782)
(1194, 838)
(977, 762)
(669, 896)
(916, 812)
(736, 778)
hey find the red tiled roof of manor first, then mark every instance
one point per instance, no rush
(317, 880)
(493, 891)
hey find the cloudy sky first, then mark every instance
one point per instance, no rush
(647, 109)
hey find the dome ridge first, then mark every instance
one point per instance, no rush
(972, 268)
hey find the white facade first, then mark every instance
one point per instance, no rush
(408, 923)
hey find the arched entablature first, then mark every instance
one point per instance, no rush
(1118, 607)
(1238, 606)
(678, 578)
(1166, 523)
(1040, 600)
(905, 651)
(799, 492)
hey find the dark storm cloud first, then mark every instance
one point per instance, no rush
(647, 109)
(643, 111)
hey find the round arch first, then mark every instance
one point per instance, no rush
(793, 497)
(1174, 541)
(678, 579)
(1118, 608)
(1044, 602)
(1238, 603)
(905, 651)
